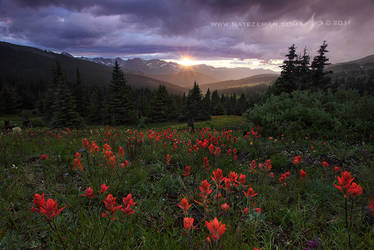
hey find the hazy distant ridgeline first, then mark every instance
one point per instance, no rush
(265, 79)
(202, 73)
(27, 64)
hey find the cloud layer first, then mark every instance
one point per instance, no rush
(210, 29)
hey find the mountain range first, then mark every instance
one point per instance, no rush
(183, 76)
(23, 63)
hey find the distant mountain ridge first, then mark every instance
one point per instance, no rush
(185, 78)
(169, 71)
(23, 63)
(363, 64)
(262, 79)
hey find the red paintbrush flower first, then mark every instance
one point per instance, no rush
(225, 207)
(297, 160)
(371, 205)
(216, 228)
(89, 193)
(188, 223)
(302, 173)
(103, 188)
(184, 205)
(217, 176)
(250, 193)
(186, 171)
(39, 202)
(50, 209)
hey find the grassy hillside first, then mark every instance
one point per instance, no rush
(362, 64)
(21, 63)
(185, 78)
(263, 79)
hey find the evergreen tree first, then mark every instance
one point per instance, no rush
(65, 114)
(120, 103)
(287, 80)
(320, 77)
(80, 96)
(206, 106)
(194, 103)
(159, 105)
(62, 110)
(242, 105)
(9, 101)
(172, 108)
(216, 106)
(232, 104)
(303, 71)
(95, 107)
(143, 104)
(50, 96)
(182, 114)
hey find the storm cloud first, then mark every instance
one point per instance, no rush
(211, 29)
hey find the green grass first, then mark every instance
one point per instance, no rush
(301, 211)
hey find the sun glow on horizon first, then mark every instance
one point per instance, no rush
(186, 61)
(253, 63)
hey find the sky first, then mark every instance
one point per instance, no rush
(227, 33)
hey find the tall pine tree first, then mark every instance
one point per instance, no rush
(194, 103)
(159, 105)
(320, 77)
(206, 106)
(63, 109)
(80, 96)
(120, 102)
(287, 80)
(95, 107)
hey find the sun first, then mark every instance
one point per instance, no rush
(186, 61)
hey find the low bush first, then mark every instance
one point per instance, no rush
(343, 114)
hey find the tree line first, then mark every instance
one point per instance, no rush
(66, 104)
(298, 73)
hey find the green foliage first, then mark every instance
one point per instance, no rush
(319, 114)
(279, 162)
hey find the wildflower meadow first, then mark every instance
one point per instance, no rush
(168, 188)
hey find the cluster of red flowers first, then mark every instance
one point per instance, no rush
(297, 160)
(168, 158)
(47, 208)
(206, 163)
(346, 185)
(205, 190)
(187, 172)
(111, 204)
(371, 205)
(76, 162)
(283, 178)
(325, 164)
(302, 173)
(267, 166)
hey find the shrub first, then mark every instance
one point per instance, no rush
(319, 114)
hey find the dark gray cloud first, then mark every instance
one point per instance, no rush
(202, 28)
